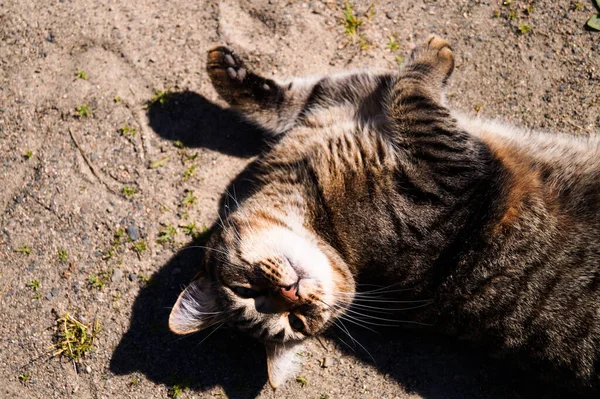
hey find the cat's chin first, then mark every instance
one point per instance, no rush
(283, 362)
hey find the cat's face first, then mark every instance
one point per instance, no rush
(280, 284)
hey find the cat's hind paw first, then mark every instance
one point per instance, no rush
(435, 53)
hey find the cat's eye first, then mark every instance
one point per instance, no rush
(245, 292)
(295, 322)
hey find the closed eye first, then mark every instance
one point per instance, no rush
(245, 292)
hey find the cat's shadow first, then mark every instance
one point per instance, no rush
(432, 366)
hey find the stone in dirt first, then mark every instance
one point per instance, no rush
(133, 232)
(117, 276)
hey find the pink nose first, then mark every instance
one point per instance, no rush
(290, 292)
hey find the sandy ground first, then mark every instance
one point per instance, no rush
(62, 179)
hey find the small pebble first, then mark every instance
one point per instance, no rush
(88, 369)
(117, 276)
(132, 276)
(327, 362)
(54, 291)
(133, 232)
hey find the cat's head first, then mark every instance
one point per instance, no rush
(279, 283)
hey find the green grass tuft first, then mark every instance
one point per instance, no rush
(23, 249)
(160, 97)
(189, 172)
(74, 339)
(302, 381)
(81, 74)
(189, 199)
(140, 246)
(159, 163)
(62, 255)
(98, 280)
(524, 29)
(83, 111)
(167, 234)
(351, 22)
(128, 131)
(34, 285)
(128, 192)
(24, 378)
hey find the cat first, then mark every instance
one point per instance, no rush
(491, 232)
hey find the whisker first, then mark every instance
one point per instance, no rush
(359, 344)
(374, 317)
(211, 333)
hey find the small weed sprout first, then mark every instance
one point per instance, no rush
(302, 381)
(81, 74)
(167, 234)
(117, 99)
(190, 157)
(28, 154)
(62, 255)
(189, 199)
(114, 245)
(24, 378)
(23, 249)
(128, 131)
(160, 97)
(177, 390)
(140, 246)
(392, 44)
(190, 229)
(34, 285)
(189, 172)
(83, 111)
(128, 192)
(524, 29)
(98, 280)
(159, 163)
(351, 22)
(178, 144)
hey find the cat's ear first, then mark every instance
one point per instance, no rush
(282, 362)
(195, 308)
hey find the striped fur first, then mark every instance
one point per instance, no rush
(371, 177)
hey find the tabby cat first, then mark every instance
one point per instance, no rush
(370, 175)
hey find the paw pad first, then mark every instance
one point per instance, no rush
(224, 66)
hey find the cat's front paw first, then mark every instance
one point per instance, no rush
(435, 53)
(227, 73)
(224, 65)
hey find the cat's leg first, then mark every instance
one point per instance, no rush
(450, 161)
(271, 105)
(415, 101)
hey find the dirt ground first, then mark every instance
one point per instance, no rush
(86, 199)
